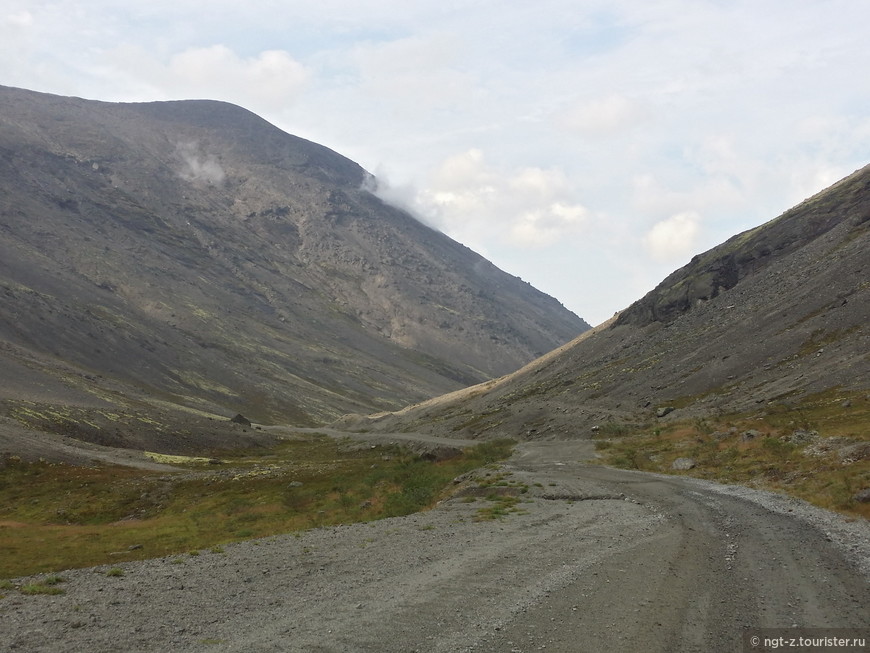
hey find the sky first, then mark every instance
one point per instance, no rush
(589, 147)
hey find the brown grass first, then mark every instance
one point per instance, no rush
(55, 516)
(812, 471)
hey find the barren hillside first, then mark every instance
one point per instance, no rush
(193, 253)
(767, 319)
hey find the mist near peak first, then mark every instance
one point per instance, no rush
(404, 196)
(197, 167)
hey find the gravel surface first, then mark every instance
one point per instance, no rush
(597, 560)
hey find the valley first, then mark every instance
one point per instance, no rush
(248, 405)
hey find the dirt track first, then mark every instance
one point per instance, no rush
(602, 560)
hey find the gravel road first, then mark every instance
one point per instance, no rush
(599, 560)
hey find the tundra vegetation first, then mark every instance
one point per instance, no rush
(57, 516)
(816, 449)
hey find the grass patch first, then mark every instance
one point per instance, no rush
(55, 516)
(761, 450)
(176, 460)
(502, 493)
(501, 505)
(612, 429)
(48, 585)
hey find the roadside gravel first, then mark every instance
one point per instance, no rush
(597, 560)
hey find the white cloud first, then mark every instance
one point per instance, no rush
(197, 167)
(652, 196)
(524, 208)
(414, 74)
(465, 172)
(547, 225)
(19, 19)
(267, 82)
(270, 79)
(674, 238)
(602, 116)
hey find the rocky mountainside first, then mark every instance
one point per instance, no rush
(770, 317)
(193, 254)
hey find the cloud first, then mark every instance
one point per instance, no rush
(267, 82)
(673, 238)
(16, 46)
(474, 202)
(413, 74)
(20, 19)
(466, 172)
(602, 116)
(525, 208)
(546, 225)
(272, 76)
(653, 196)
(401, 195)
(199, 168)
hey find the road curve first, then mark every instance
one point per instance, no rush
(715, 565)
(598, 560)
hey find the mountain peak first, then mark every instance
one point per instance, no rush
(193, 251)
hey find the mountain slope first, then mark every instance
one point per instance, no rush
(193, 253)
(767, 319)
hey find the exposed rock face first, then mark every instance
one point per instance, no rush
(770, 317)
(192, 251)
(724, 266)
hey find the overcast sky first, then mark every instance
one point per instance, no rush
(588, 146)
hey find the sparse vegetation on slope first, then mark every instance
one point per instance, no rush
(818, 450)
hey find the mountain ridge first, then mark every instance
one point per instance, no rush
(789, 320)
(193, 253)
(722, 267)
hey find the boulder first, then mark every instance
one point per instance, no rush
(683, 464)
(862, 496)
(241, 419)
(802, 436)
(854, 452)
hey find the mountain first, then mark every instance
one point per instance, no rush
(191, 254)
(765, 321)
